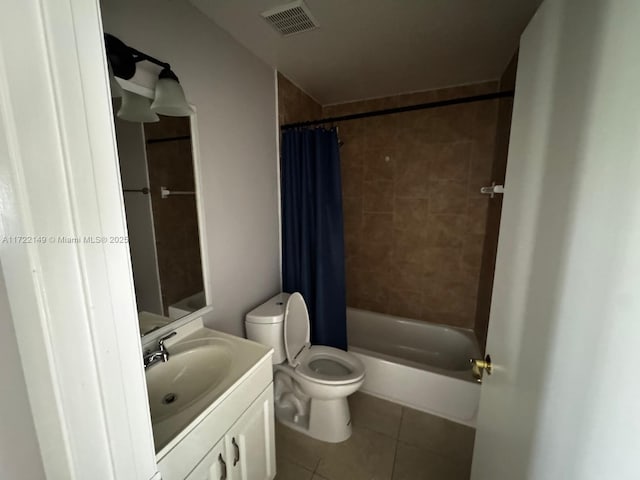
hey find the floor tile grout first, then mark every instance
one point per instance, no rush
(375, 431)
(395, 453)
(391, 418)
(430, 450)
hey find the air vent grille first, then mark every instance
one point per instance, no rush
(291, 18)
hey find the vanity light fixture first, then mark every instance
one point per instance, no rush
(169, 97)
(136, 108)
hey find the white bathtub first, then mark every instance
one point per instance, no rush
(418, 364)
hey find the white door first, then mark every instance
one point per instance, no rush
(251, 443)
(214, 466)
(563, 400)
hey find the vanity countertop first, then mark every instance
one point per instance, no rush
(223, 360)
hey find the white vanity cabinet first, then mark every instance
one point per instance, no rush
(247, 451)
(213, 466)
(250, 442)
(233, 439)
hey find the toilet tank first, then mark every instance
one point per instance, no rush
(265, 325)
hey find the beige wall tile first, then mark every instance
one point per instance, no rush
(480, 170)
(446, 230)
(407, 276)
(294, 105)
(352, 173)
(377, 228)
(472, 253)
(409, 245)
(450, 297)
(377, 196)
(406, 303)
(379, 165)
(453, 124)
(449, 161)
(410, 213)
(373, 256)
(477, 215)
(485, 121)
(412, 174)
(413, 214)
(443, 263)
(448, 196)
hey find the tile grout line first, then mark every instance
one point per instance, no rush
(315, 470)
(395, 453)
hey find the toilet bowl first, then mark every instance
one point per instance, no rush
(311, 382)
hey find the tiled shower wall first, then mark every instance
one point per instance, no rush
(294, 105)
(414, 217)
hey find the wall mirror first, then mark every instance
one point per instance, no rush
(159, 176)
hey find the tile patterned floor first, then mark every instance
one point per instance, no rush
(389, 442)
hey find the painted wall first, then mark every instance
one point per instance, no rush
(234, 94)
(19, 450)
(414, 216)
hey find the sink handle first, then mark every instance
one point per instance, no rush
(223, 466)
(164, 338)
(237, 448)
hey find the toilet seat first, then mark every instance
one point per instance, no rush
(329, 366)
(318, 364)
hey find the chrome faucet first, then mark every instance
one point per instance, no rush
(160, 355)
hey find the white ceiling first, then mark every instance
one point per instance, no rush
(375, 48)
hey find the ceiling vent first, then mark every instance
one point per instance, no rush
(291, 18)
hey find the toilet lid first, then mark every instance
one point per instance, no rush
(296, 327)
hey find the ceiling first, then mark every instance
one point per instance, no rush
(375, 48)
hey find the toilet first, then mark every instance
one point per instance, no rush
(311, 382)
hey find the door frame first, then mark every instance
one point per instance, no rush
(73, 309)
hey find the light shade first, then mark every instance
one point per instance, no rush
(116, 89)
(170, 99)
(135, 108)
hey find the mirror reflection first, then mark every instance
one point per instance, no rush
(159, 188)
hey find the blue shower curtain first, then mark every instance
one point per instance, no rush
(312, 230)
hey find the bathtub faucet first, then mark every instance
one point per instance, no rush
(160, 355)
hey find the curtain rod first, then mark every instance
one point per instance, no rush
(410, 108)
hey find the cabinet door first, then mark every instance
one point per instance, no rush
(214, 466)
(250, 442)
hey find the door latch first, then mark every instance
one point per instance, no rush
(479, 365)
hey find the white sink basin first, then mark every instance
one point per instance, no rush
(203, 365)
(195, 368)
